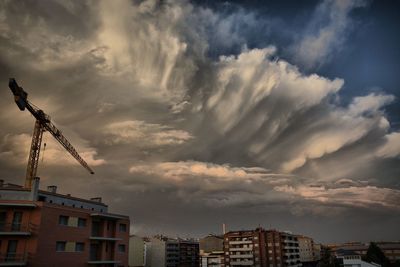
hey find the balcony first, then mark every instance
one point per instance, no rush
(241, 249)
(17, 229)
(240, 242)
(241, 256)
(242, 263)
(13, 259)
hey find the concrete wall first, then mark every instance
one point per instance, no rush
(156, 254)
(137, 251)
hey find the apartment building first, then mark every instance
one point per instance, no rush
(172, 252)
(290, 252)
(306, 248)
(263, 248)
(317, 251)
(212, 259)
(137, 251)
(212, 251)
(46, 229)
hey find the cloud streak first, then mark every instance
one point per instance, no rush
(326, 32)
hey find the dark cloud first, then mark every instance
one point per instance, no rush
(188, 124)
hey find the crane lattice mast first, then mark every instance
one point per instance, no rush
(42, 124)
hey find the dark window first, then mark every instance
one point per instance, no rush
(122, 227)
(3, 216)
(63, 220)
(79, 246)
(60, 245)
(11, 250)
(121, 248)
(16, 222)
(81, 222)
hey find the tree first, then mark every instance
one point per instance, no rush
(376, 255)
(326, 259)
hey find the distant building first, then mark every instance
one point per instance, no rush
(212, 251)
(306, 247)
(310, 252)
(46, 229)
(169, 252)
(261, 248)
(211, 243)
(390, 249)
(348, 258)
(137, 251)
(317, 252)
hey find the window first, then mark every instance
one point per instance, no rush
(122, 227)
(16, 221)
(60, 245)
(81, 222)
(121, 248)
(63, 220)
(79, 246)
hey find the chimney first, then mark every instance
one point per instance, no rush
(52, 189)
(97, 199)
(223, 228)
(35, 188)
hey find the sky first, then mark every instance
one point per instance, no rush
(280, 114)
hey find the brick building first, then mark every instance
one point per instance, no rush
(46, 229)
(262, 248)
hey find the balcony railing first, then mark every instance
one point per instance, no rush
(17, 228)
(10, 259)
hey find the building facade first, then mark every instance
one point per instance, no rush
(172, 252)
(212, 259)
(262, 248)
(137, 251)
(46, 229)
(306, 248)
(212, 251)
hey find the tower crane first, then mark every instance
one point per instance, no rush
(42, 124)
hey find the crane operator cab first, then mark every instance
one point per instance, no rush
(20, 96)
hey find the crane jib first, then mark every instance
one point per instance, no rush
(43, 123)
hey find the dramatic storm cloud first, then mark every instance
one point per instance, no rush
(193, 115)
